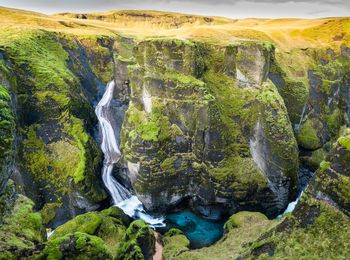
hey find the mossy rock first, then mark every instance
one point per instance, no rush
(243, 218)
(332, 178)
(76, 246)
(7, 130)
(109, 225)
(21, 229)
(55, 116)
(313, 227)
(309, 232)
(315, 159)
(138, 243)
(175, 243)
(204, 136)
(308, 137)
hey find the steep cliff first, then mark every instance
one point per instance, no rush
(54, 80)
(205, 124)
(319, 226)
(7, 125)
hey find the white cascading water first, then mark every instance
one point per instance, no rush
(291, 206)
(109, 147)
(122, 197)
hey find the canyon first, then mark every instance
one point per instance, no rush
(119, 124)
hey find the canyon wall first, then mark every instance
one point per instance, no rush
(206, 126)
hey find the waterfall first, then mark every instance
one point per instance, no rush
(121, 196)
(109, 147)
(291, 206)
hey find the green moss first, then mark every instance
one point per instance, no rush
(316, 158)
(168, 164)
(243, 218)
(239, 173)
(124, 59)
(48, 212)
(42, 54)
(138, 243)
(86, 223)
(152, 127)
(78, 246)
(21, 229)
(294, 91)
(278, 131)
(326, 237)
(222, 109)
(7, 124)
(107, 225)
(308, 137)
(334, 122)
(175, 243)
(76, 130)
(54, 163)
(99, 51)
(344, 141)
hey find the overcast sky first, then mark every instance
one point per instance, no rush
(228, 8)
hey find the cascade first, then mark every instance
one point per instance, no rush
(121, 196)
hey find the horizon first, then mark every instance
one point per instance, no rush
(265, 9)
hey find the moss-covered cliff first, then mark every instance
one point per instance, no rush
(205, 123)
(318, 227)
(57, 78)
(21, 229)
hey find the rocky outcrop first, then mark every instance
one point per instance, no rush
(321, 218)
(75, 246)
(319, 222)
(332, 180)
(21, 229)
(105, 229)
(57, 81)
(108, 234)
(139, 242)
(327, 106)
(204, 124)
(7, 126)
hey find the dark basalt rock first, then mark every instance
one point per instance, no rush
(193, 145)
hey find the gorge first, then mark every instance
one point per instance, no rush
(135, 134)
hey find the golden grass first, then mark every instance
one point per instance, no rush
(293, 38)
(286, 33)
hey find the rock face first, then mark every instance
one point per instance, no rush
(327, 106)
(205, 125)
(7, 126)
(332, 179)
(105, 230)
(21, 229)
(139, 242)
(54, 80)
(321, 218)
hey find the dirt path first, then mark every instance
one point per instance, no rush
(158, 255)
